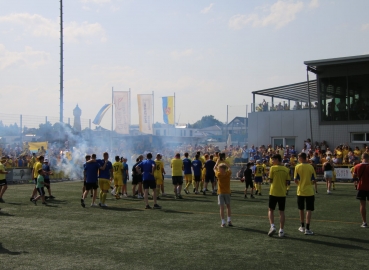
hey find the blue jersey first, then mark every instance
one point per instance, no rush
(209, 166)
(196, 165)
(146, 169)
(46, 168)
(91, 169)
(105, 173)
(125, 170)
(187, 166)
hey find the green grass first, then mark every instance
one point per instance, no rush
(185, 234)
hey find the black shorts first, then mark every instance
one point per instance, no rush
(362, 195)
(209, 179)
(47, 181)
(249, 184)
(35, 181)
(90, 186)
(84, 183)
(41, 191)
(177, 180)
(136, 179)
(274, 200)
(309, 202)
(197, 178)
(149, 184)
(3, 182)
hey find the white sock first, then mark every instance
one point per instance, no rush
(229, 219)
(280, 230)
(223, 221)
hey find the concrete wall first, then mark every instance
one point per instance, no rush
(263, 126)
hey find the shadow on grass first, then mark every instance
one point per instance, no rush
(112, 208)
(53, 201)
(176, 212)
(12, 203)
(7, 251)
(5, 214)
(315, 241)
(346, 238)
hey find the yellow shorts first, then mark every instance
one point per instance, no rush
(118, 180)
(159, 180)
(188, 177)
(104, 184)
(203, 173)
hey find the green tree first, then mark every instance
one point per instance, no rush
(206, 121)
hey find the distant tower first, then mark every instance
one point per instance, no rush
(77, 119)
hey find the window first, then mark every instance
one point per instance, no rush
(362, 137)
(157, 132)
(190, 133)
(283, 141)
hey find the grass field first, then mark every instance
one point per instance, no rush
(185, 234)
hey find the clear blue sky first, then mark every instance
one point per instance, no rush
(210, 53)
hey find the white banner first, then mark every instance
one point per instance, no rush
(122, 111)
(22, 174)
(145, 113)
(343, 173)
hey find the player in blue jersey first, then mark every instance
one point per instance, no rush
(187, 169)
(210, 175)
(197, 168)
(147, 168)
(91, 169)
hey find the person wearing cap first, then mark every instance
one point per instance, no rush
(3, 183)
(259, 172)
(158, 175)
(47, 173)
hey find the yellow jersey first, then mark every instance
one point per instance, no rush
(159, 167)
(118, 169)
(177, 167)
(36, 168)
(259, 170)
(224, 182)
(279, 175)
(305, 174)
(357, 153)
(2, 168)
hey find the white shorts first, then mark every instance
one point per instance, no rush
(224, 199)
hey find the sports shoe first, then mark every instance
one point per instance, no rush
(203, 192)
(125, 195)
(121, 197)
(44, 203)
(83, 203)
(179, 196)
(31, 199)
(271, 231)
(34, 201)
(51, 197)
(256, 192)
(93, 205)
(186, 191)
(194, 189)
(1, 200)
(156, 206)
(245, 196)
(364, 225)
(281, 234)
(308, 232)
(213, 193)
(230, 224)
(163, 194)
(302, 229)
(148, 207)
(47, 197)
(252, 196)
(223, 225)
(259, 194)
(158, 198)
(100, 204)
(139, 197)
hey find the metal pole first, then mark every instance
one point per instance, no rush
(174, 105)
(311, 124)
(112, 115)
(21, 129)
(129, 127)
(61, 62)
(227, 125)
(153, 111)
(246, 123)
(253, 104)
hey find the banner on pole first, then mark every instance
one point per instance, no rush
(122, 111)
(145, 113)
(168, 110)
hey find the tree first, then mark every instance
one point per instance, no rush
(206, 121)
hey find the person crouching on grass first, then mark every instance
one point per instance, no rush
(224, 191)
(40, 187)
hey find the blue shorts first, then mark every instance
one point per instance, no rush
(125, 180)
(258, 179)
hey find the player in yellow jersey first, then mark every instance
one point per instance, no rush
(202, 159)
(354, 179)
(118, 176)
(278, 177)
(36, 167)
(158, 175)
(259, 172)
(32, 161)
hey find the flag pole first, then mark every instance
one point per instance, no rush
(112, 111)
(129, 96)
(174, 111)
